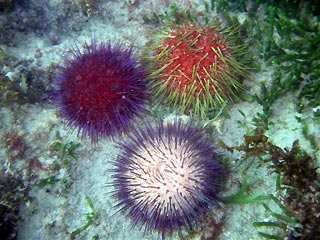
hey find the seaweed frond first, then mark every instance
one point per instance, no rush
(298, 184)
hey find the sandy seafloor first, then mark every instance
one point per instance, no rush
(54, 210)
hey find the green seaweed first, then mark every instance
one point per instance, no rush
(240, 197)
(172, 14)
(290, 42)
(298, 183)
(64, 150)
(281, 220)
(295, 56)
(309, 136)
(47, 181)
(91, 218)
(269, 236)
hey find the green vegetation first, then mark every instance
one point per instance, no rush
(47, 181)
(91, 218)
(66, 152)
(173, 14)
(241, 197)
(291, 45)
(285, 34)
(281, 220)
(298, 186)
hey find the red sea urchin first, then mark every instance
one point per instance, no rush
(167, 177)
(101, 89)
(197, 67)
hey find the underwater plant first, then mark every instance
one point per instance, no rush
(298, 184)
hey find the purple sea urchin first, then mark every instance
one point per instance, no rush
(167, 176)
(101, 89)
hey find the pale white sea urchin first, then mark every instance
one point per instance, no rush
(166, 177)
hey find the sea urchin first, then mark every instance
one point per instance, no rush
(167, 177)
(196, 68)
(101, 89)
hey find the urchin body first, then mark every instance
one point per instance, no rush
(197, 68)
(101, 89)
(167, 177)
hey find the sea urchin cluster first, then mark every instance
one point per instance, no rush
(197, 68)
(167, 176)
(101, 89)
